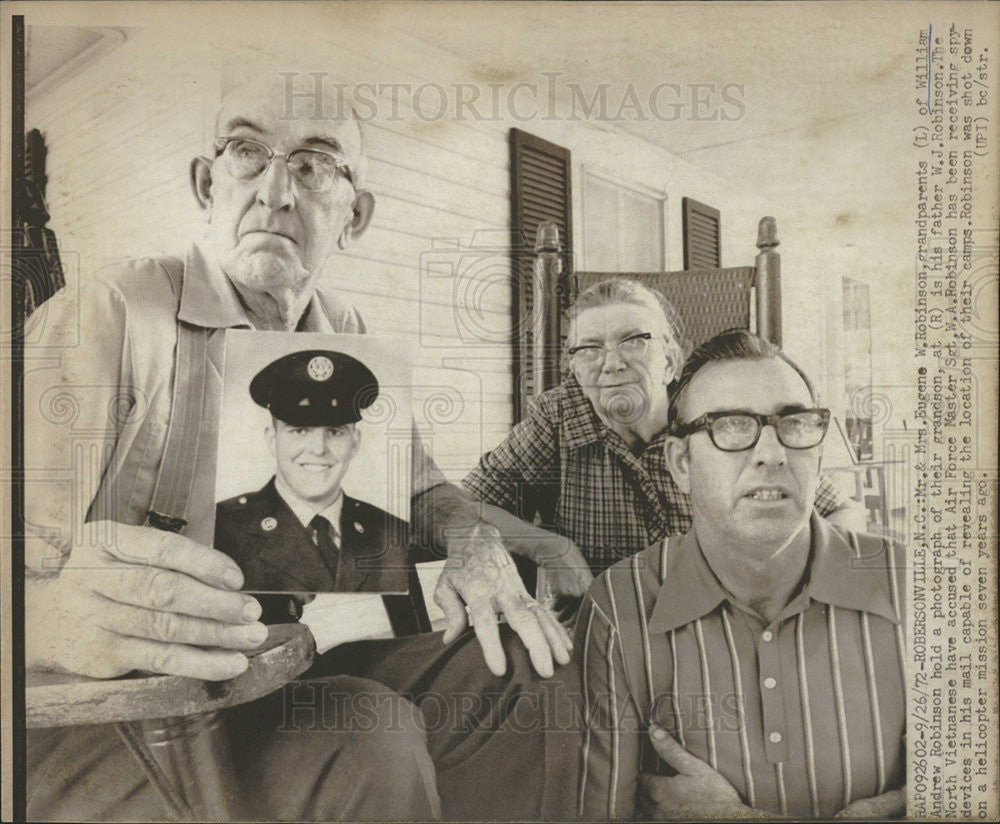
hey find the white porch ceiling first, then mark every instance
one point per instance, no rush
(827, 87)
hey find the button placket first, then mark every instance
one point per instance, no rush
(772, 701)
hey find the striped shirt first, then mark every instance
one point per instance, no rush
(565, 469)
(802, 715)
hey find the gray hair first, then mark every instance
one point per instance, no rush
(622, 290)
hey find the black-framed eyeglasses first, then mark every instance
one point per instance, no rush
(313, 169)
(630, 348)
(739, 431)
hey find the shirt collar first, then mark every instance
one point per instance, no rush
(841, 575)
(579, 420)
(837, 576)
(305, 511)
(581, 424)
(208, 298)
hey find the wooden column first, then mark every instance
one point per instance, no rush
(768, 282)
(547, 341)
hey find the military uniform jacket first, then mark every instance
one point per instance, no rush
(276, 552)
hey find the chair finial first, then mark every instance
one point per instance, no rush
(767, 233)
(547, 238)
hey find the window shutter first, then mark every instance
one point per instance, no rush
(540, 192)
(701, 235)
(41, 251)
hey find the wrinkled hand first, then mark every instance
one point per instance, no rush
(132, 597)
(567, 571)
(696, 792)
(891, 804)
(481, 573)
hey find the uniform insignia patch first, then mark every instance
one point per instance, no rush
(269, 524)
(320, 368)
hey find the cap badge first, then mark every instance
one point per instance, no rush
(320, 368)
(269, 524)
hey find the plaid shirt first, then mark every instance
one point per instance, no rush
(564, 469)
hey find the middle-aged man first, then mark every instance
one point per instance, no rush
(301, 532)
(758, 658)
(112, 588)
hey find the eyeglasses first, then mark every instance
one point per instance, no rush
(739, 431)
(630, 348)
(313, 169)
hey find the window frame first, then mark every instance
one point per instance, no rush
(621, 182)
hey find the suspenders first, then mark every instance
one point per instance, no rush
(168, 508)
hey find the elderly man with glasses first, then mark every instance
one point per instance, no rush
(755, 663)
(112, 587)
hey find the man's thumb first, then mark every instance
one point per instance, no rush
(670, 751)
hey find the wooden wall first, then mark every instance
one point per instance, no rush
(432, 268)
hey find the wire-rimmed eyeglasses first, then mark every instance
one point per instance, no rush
(630, 348)
(313, 169)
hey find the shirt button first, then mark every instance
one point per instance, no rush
(767, 636)
(775, 737)
(770, 683)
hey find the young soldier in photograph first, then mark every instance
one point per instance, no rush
(301, 532)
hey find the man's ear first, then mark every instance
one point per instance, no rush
(201, 184)
(364, 208)
(355, 441)
(269, 436)
(678, 462)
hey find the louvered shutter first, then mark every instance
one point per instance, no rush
(42, 265)
(540, 191)
(701, 235)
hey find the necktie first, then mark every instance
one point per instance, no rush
(324, 542)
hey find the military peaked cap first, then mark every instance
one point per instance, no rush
(315, 388)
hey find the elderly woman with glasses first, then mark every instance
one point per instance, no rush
(587, 463)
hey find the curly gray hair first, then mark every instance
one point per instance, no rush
(622, 290)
